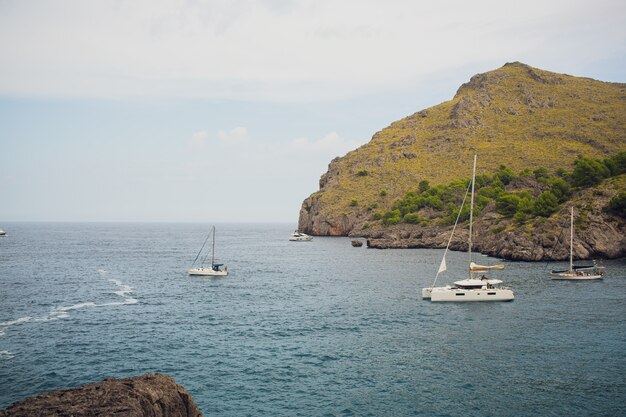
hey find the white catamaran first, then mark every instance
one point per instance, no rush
(215, 270)
(476, 287)
(577, 272)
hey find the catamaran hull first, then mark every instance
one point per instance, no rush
(207, 272)
(464, 295)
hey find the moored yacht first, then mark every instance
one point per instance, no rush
(215, 270)
(300, 237)
(471, 289)
(577, 272)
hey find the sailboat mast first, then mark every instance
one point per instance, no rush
(213, 249)
(469, 240)
(571, 240)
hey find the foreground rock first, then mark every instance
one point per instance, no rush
(150, 395)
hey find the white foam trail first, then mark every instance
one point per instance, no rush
(124, 291)
(63, 312)
(17, 321)
(5, 355)
(128, 301)
(76, 306)
(6, 324)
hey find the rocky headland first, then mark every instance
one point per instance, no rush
(516, 116)
(150, 395)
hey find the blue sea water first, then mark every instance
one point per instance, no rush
(301, 328)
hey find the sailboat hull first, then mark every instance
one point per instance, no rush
(452, 294)
(207, 272)
(574, 276)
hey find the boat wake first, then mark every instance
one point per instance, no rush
(5, 355)
(63, 312)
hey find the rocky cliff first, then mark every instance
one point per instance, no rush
(143, 396)
(517, 115)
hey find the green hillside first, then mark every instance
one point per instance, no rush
(517, 116)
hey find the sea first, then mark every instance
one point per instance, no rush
(316, 328)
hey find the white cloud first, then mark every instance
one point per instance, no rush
(276, 50)
(331, 144)
(237, 136)
(199, 139)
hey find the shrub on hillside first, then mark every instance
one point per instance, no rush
(560, 188)
(617, 204)
(412, 218)
(588, 172)
(506, 204)
(616, 164)
(546, 204)
(504, 174)
(541, 172)
(392, 217)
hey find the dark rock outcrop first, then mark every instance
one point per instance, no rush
(599, 235)
(150, 395)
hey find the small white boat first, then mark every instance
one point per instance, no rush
(577, 272)
(2, 233)
(300, 237)
(472, 288)
(215, 270)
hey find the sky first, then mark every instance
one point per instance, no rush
(230, 110)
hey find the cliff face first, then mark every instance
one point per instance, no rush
(598, 234)
(143, 396)
(517, 116)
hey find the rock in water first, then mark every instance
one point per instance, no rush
(152, 395)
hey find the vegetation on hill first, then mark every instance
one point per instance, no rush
(522, 197)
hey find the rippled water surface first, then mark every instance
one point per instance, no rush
(301, 328)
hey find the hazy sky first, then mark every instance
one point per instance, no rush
(230, 110)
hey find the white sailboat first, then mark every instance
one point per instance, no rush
(473, 288)
(215, 270)
(580, 272)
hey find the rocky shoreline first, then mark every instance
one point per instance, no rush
(601, 238)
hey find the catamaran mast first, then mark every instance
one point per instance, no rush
(571, 240)
(469, 241)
